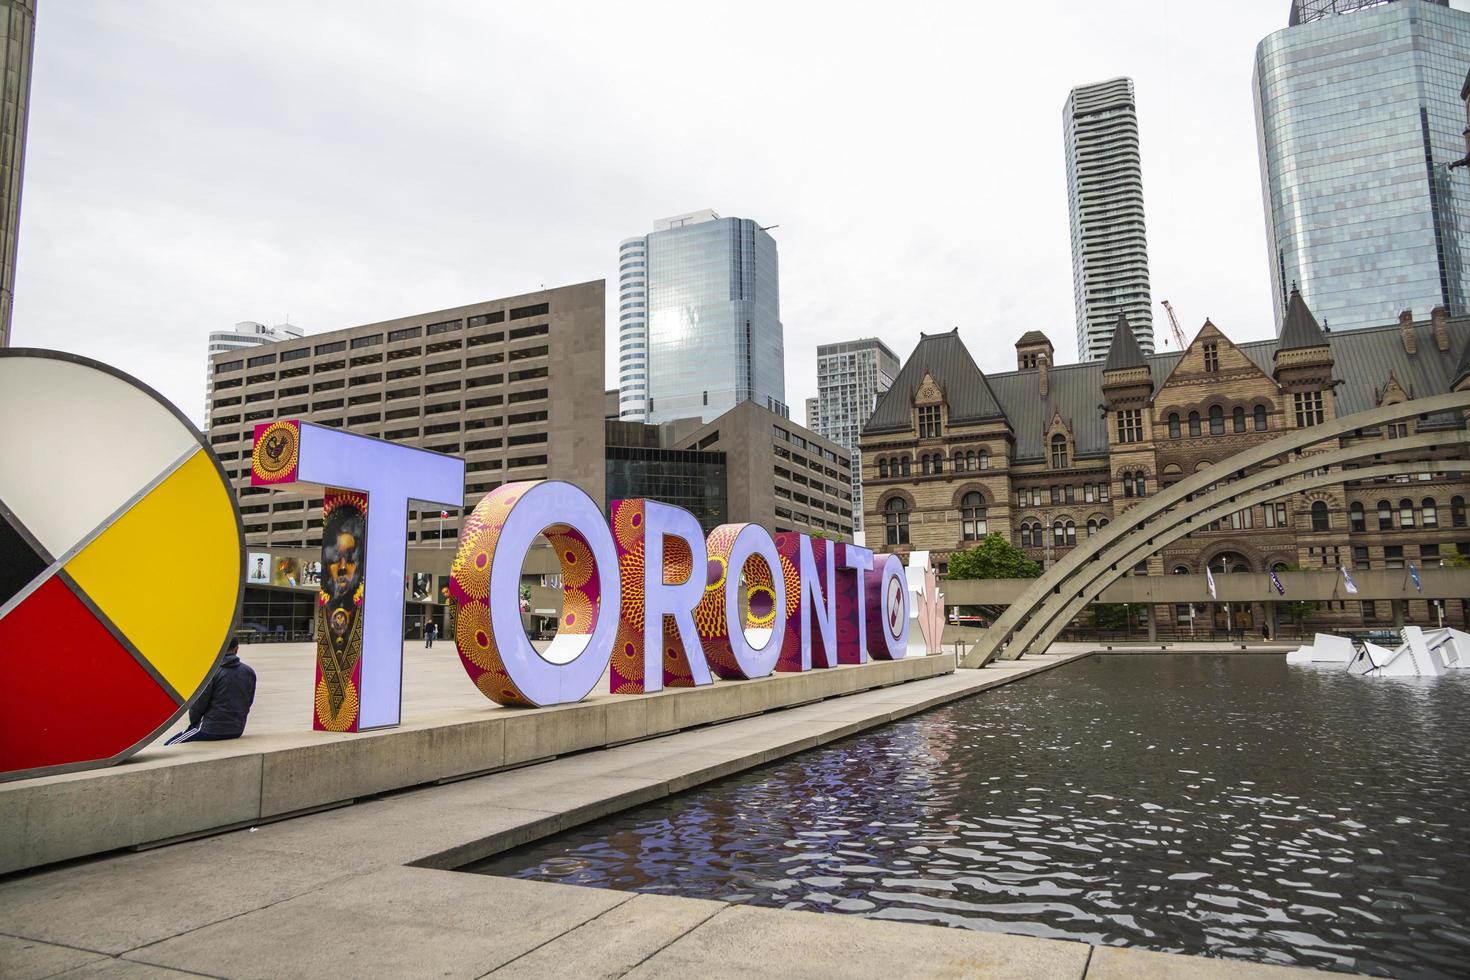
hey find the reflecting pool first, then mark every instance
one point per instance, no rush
(1222, 805)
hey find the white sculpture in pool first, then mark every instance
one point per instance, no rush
(1423, 653)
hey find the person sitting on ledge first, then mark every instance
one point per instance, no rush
(221, 710)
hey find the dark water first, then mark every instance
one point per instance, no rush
(1229, 806)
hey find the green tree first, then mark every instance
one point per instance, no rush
(995, 557)
(1455, 559)
(1109, 616)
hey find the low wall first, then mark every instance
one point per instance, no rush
(211, 786)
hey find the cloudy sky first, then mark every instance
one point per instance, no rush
(196, 163)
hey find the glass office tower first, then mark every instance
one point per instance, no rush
(713, 330)
(1358, 117)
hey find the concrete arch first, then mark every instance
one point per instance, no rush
(1068, 610)
(1207, 507)
(1292, 442)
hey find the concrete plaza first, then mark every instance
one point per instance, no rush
(366, 889)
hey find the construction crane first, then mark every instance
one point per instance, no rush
(1174, 325)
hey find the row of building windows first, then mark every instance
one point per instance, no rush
(963, 460)
(1217, 421)
(1428, 511)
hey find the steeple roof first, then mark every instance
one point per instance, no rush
(945, 358)
(1300, 328)
(1124, 351)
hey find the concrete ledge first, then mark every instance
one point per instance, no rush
(193, 789)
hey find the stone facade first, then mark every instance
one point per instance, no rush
(1048, 454)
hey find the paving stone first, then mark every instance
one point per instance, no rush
(395, 922)
(616, 941)
(121, 903)
(1122, 963)
(31, 959)
(744, 941)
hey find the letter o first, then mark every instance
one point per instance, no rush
(485, 583)
(726, 646)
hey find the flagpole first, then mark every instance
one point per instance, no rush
(441, 529)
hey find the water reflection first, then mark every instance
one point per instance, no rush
(1229, 806)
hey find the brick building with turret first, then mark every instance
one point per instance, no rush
(1047, 454)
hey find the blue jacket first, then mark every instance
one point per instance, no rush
(222, 708)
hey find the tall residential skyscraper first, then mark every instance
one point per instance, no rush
(247, 333)
(18, 36)
(1358, 118)
(633, 329)
(850, 377)
(1105, 205)
(699, 327)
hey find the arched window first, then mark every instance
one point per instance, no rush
(903, 466)
(1355, 517)
(939, 462)
(1239, 418)
(1406, 513)
(1431, 512)
(984, 460)
(972, 514)
(959, 461)
(1227, 562)
(1059, 534)
(1091, 527)
(1071, 533)
(925, 467)
(1194, 423)
(1385, 515)
(1174, 425)
(1260, 418)
(1181, 570)
(1457, 511)
(1319, 516)
(1140, 486)
(1059, 451)
(1102, 523)
(896, 520)
(1025, 535)
(1127, 484)
(882, 468)
(1217, 420)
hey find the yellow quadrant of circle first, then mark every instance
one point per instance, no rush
(167, 572)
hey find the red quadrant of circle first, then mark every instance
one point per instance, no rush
(69, 692)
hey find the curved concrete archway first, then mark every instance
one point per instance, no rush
(1053, 619)
(1222, 501)
(1174, 504)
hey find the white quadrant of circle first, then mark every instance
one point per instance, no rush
(116, 440)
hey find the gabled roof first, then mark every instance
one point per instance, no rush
(944, 357)
(1362, 361)
(1300, 328)
(1124, 351)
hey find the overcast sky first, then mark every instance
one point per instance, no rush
(192, 164)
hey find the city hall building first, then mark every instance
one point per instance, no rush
(1048, 454)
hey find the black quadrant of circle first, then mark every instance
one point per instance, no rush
(20, 563)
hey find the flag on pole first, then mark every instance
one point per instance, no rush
(1276, 583)
(1210, 582)
(1414, 574)
(1347, 580)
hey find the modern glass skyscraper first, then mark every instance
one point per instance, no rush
(1358, 117)
(850, 377)
(711, 320)
(1105, 206)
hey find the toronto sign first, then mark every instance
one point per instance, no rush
(110, 472)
